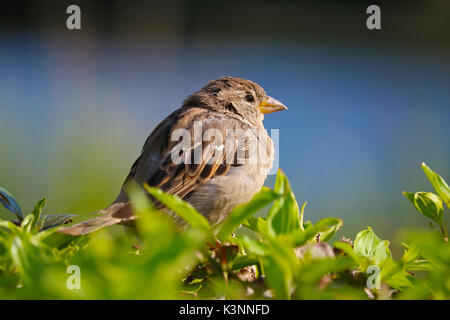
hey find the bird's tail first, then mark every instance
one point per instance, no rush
(116, 213)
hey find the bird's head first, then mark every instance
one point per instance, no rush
(237, 96)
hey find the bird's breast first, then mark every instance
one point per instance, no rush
(216, 198)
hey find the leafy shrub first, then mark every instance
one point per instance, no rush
(282, 257)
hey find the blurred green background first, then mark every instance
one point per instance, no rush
(365, 107)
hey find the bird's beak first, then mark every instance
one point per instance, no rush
(271, 105)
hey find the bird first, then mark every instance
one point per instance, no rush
(223, 159)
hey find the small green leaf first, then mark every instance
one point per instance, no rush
(279, 277)
(427, 203)
(395, 276)
(184, 209)
(280, 265)
(409, 196)
(411, 253)
(280, 183)
(26, 223)
(411, 262)
(279, 188)
(48, 221)
(419, 265)
(302, 213)
(316, 269)
(241, 212)
(257, 224)
(299, 237)
(19, 256)
(8, 201)
(253, 246)
(37, 212)
(61, 240)
(347, 248)
(331, 231)
(284, 216)
(439, 184)
(243, 261)
(369, 246)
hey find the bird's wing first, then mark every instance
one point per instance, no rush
(196, 148)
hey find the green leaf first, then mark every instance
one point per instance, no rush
(8, 201)
(302, 213)
(316, 269)
(253, 246)
(395, 276)
(409, 196)
(286, 218)
(369, 246)
(243, 261)
(257, 224)
(279, 188)
(427, 203)
(347, 248)
(37, 212)
(439, 184)
(279, 277)
(61, 240)
(26, 223)
(411, 253)
(411, 262)
(418, 291)
(182, 208)
(280, 266)
(419, 265)
(284, 215)
(299, 237)
(331, 231)
(19, 256)
(30, 255)
(48, 221)
(241, 212)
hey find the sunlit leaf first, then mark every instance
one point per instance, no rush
(299, 237)
(279, 277)
(241, 212)
(427, 203)
(48, 221)
(369, 246)
(316, 269)
(286, 218)
(331, 231)
(243, 261)
(253, 246)
(280, 266)
(347, 249)
(257, 224)
(37, 212)
(439, 184)
(184, 209)
(284, 215)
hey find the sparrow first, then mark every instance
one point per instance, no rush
(222, 160)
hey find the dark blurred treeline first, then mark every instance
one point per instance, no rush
(419, 25)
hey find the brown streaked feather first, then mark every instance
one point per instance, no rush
(223, 169)
(115, 213)
(183, 178)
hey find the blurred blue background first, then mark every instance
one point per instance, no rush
(365, 108)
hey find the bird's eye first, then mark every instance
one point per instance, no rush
(249, 98)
